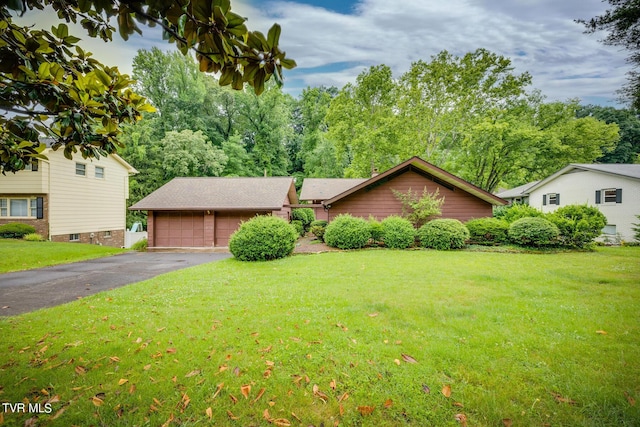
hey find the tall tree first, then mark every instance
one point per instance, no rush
(621, 23)
(628, 147)
(81, 103)
(188, 153)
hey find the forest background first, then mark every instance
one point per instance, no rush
(471, 115)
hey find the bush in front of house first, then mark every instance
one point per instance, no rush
(397, 232)
(263, 238)
(488, 231)
(534, 231)
(305, 215)
(579, 225)
(33, 237)
(16, 230)
(512, 213)
(297, 224)
(347, 232)
(317, 228)
(141, 245)
(443, 234)
(375, 228)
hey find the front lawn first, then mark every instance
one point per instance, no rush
(372, 338)
(19, 254)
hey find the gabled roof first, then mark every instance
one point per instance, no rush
(326, 188)
(618, 169)
(521, 190)
(425, 167)
(212, 193)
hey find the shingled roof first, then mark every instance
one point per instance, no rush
(326, 188)
(220, 194)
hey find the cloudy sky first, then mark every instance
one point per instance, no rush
(334, 40)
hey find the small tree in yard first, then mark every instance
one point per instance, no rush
(636, 230)
(417, 209)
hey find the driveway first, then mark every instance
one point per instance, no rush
(31, 290)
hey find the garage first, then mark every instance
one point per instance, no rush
(228, 222)
(179, 229)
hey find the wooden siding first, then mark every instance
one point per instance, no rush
(179, 229)
(27, 182)
(380, 201)
(228, 222)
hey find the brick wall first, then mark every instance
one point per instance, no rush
(116, 239)
(41, 225)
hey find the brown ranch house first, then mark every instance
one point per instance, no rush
(203, 212)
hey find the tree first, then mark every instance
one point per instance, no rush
(622, 24)
(188, 153)
(628, 147)
(57, 90)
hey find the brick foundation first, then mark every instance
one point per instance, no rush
(116, 239)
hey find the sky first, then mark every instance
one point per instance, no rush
(333, 41)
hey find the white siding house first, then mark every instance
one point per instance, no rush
(78, 200)
(612, 188)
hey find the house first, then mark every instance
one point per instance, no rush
(612, 188)
(204, 212)
(78, 200)
(374, 196)
(517, 194)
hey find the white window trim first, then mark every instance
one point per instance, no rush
(604, 196)
(95, 173)
(72, 237)
(5, 209)
(84, 174)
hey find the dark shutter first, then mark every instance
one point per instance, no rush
(39, 207)
(544, 200)
(558, 199)
(598, 197)
(618, 195)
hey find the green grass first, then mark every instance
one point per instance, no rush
(19, 254)
(550, 339)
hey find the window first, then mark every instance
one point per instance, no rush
(99, 172)
(33, 207)
(609, 229)
(18, 207)
(551, 199)
(22, 208)
(609, 196)
(33, 166)
(81, 169)
(74, 237)
(107, 234)
(3, 207)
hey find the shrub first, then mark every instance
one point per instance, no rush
(516, 211)
(33, 237)
(398, 233)
(297, 224)
(419, 209)
(636, 230)
(533, 232)
(443, 234)
(140, 245)
(16, 230)
(304, 215)
(263, 238)
(317, 228)
(375, 228)
(488, 231)
(579, 225)
(347, 232)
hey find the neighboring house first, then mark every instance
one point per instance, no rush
(518, 194)
(78, 200)
(374, 196)
(612, 188)
(204, 212)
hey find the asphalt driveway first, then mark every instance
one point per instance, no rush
(31, 290)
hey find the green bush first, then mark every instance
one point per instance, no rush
(375, 228)
(347, 232)
(488, 231)
(305, 215)
(33, 237)
(512, 213)
(317, 228)
(263, 238)
(397, 232)
(16, 230)
(533, 232)
(443, 234)
(579, 225)
(140, 245)
(297, 224)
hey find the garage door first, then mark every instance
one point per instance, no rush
(179, 229)
(228, 222)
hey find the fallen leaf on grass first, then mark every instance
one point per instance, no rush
(396, 361)
(209, 412)
(169, 420)
(97, 401)
(281, 422)
(446, 390)
(184, 402)
(230, 415)
(114, 359)
(193, 373)
(236, 371)
(80, 370)
(332, 384)
(601, 332)
(218, 390)
(319, 394)
(55, 416)
(132, 389)
(344, 396)
(408, 358)
(426, 389)
(123, 381)
(260, 393)
(233, 399)
(171, 350)
(373, 314)
(558, 398)
(462, 419)
(341, 326)
(366, 410)
(296, 417)
(245, 390)
(388, 403)
(507, 422)
(630, 399)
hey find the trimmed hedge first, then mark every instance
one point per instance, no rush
(263, 238)
(533, 232)
(443, 234)
(16, 230)
(488, 231)
(305, 215)
(347, 232)
(297, 224)
(397, 232)
(318, 227)
(512, 213)
(375, 228)
(579, 225)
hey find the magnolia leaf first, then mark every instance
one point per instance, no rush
(281, 422)
(507, 422)
(123, 381)
(260, 393)
(601, 332)
(97, 401)
(366, 410)
(343, 397)
(408, 358)
(426, 389)
(462, 419)
(446, 390)
(630, 399)
(218, 390)
(388, 403)
(273, 37)
(245, 390)
(332, 384)
(231, 416)
(209, 412)
(193, 373)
